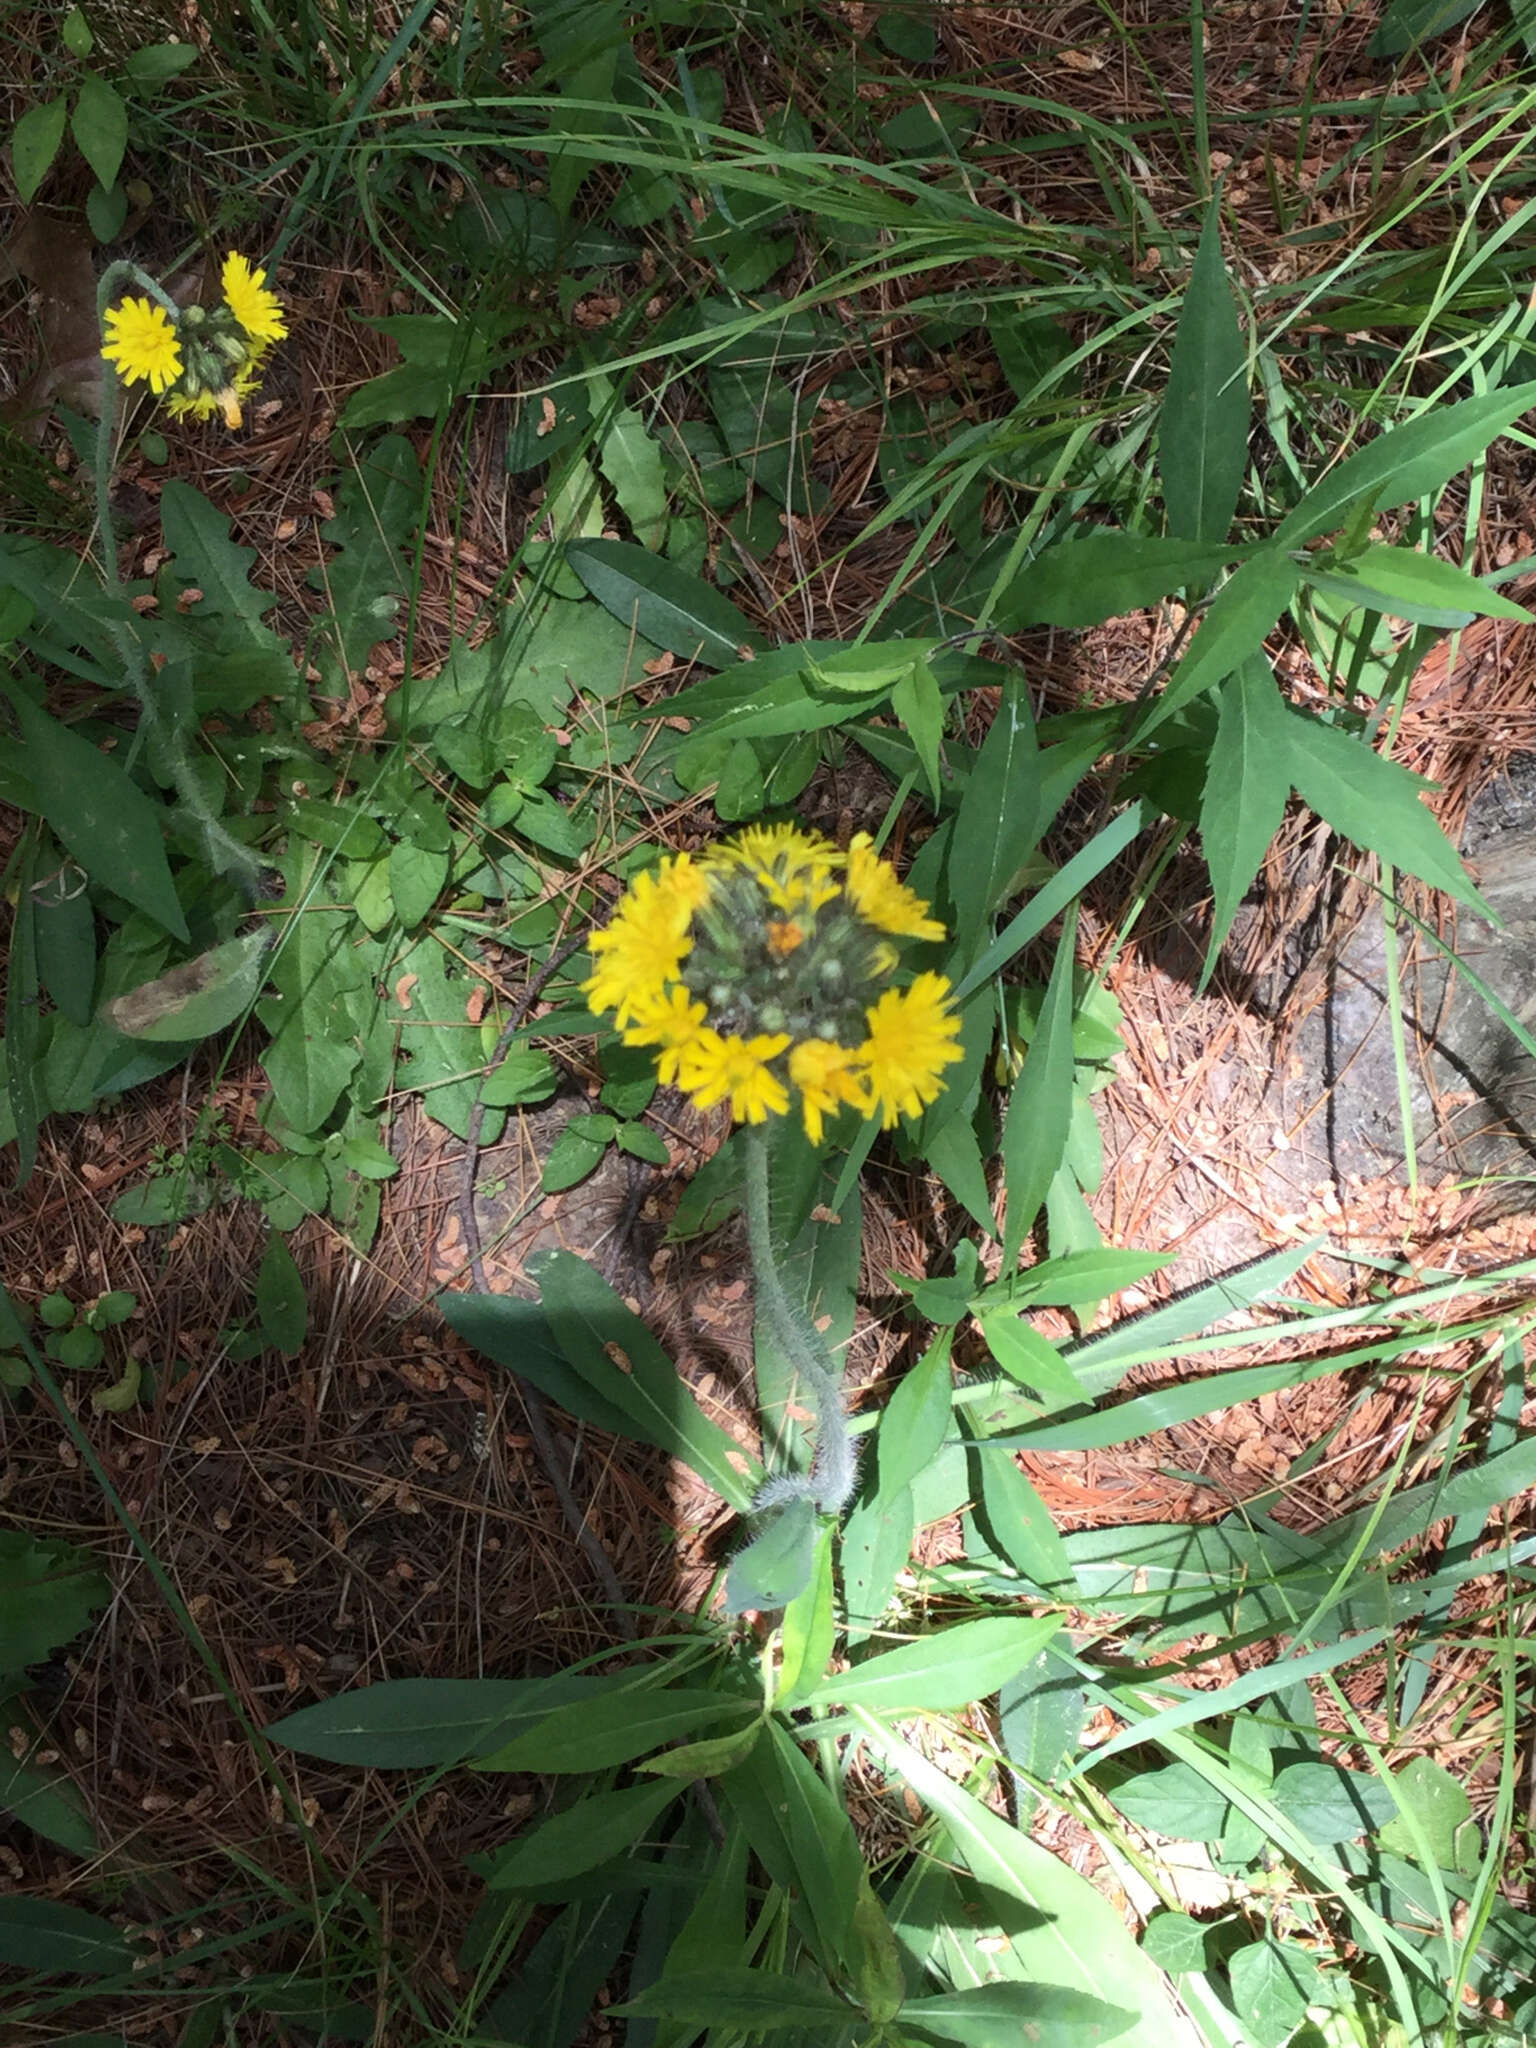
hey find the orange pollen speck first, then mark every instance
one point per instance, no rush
(783, 937)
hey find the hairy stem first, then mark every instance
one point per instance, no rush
(829, 1481)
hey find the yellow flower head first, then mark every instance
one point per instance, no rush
(759, 972)
(881, 899)
(827, 1076)
(256, 308)
(142, 344)
(203, 361)
(912, 1034)
(713, 1069)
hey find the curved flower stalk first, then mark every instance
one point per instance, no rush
(765, 975)
(201, 361)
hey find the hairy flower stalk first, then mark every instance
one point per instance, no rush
(201, 361)
(765, 976)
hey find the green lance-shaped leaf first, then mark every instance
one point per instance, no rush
(947, 1669)
(1040, 1108)
(197, 998)
(1411, 461)
(585, 1835)
(1407, 584)
(1081, 582)
(54, 1940)
(35, 143)
(663, 603)
(1240, 619)
(282, 1308)
(102, 817)
(1203, 432)
(1374, 802)
(100, 127)
(999, 820)
(1247, 785)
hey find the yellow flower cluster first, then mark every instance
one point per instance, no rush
(203, 361)
(758, 973)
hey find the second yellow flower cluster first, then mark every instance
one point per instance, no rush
(760, 968)
(201, 360)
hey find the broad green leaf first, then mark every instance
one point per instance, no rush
(197, 998)
(48, 1804)
(157, 63)
(308, 1069)
(919, 703)
(808, 1629)
(100, 127)
(1040, 1712)
(598, 1826)
(1407, 584)
(590, 1322)
(525, 1075)
(631, 461)
(1438, 1802)
(1031, 1359)
(668, 606)
(35, 143)
(1039, 1113)
(517, 1335)
(1060, 1929)
(1406, 462)
(999, 821)
(56, 1940)
(706, 1759)
(775, 1567)
(1406, 23)
(876, 1544)
(1080, 583)
(1175, 1801)
(613, 1729)
(1018, 1524)
(827, 1860)
(102, 817)
(27, 1097)
(1203, 424)
(1241, 616)
(1004, 2015)
(1329, 1804)
(204, 556)
(1070, 1276)
(364, 581)
(282, 1308)
(1375, 803)
(947, 1669)
(416, 878)
(415, 1723)
(66, 944)
(760, 2001)
(1247, 787)
(1273, 1983)
(917, 1418)
(48, 1593)
(1176, 1943)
